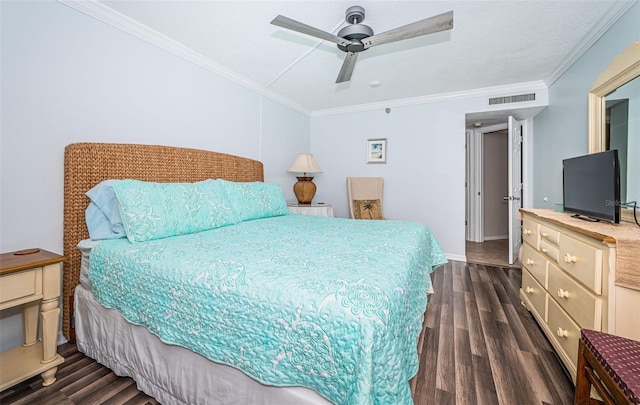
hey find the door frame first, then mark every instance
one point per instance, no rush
(474, 220)
(475, 191)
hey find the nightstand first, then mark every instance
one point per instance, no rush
(317, 209)
(31, 280)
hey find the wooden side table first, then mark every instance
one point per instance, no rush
(31, 280)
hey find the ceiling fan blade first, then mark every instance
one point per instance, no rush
(288, 23)
(441, 22)
(347, 67)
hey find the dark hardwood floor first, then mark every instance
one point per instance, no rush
(481, 347)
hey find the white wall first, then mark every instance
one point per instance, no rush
(561, 129)
(425, 170)
(284, 135)
(67, 77)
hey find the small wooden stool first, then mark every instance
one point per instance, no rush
(612, 365)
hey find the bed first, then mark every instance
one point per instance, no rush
(210, 318)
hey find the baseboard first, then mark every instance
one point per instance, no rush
(499, 237)
(456, 258)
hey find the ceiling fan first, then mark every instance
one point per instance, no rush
(357, 37)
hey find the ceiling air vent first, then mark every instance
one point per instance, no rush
(512, 99)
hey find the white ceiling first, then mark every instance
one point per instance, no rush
(492, 43)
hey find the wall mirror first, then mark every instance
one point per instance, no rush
(614, 120)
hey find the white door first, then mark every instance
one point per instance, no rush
(515, 188)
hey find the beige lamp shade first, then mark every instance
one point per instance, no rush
(305, 163)
(305, 189)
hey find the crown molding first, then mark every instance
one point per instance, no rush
(591, 38)
(496, 91)
(118, 20)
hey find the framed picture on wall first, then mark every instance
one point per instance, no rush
(377, 150)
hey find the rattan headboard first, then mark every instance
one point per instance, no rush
(87, 164)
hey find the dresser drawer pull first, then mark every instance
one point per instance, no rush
(529, 290)
(563, 293)
(530, 262)
(569, 258)
(562, 333)
(545, 235)
(544, 250)
(527, 231)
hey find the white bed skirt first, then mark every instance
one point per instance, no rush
(171, 374)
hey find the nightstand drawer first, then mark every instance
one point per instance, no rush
(535, 263)
(21, 284)
(530, 232)
(535, 293)
(582, 261)
(580, 304)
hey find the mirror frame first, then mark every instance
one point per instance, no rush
(623, 69)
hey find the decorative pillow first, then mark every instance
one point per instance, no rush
(159, 210)
(103, 212)
(254, 200)
(367, 209)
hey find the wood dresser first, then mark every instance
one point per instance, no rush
(570, 278)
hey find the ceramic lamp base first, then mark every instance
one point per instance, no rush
(304, 190)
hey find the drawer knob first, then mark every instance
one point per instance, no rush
(545, 235)
(569, 258)
(529, 290)
(544, 250)
(563, 293)
(526, 231)
(562, 333)
(530, 262)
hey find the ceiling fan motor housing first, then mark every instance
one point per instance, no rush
(356, 31)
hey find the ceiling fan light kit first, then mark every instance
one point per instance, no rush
(357, 37)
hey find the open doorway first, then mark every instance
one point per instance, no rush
(494, 193)
(495, 183)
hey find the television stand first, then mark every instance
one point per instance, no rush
(585, 218)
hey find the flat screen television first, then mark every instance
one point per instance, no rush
(591, 186)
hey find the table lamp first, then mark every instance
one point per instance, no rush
(305, 189)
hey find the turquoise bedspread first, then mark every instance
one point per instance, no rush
(330, 304)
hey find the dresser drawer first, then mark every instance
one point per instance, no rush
(20, 285)
(535, 293)
(549, 250)
(549, 234)
(582, 261)
(584, 307)
(530, 232)
(565, 332)
(535, 263)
